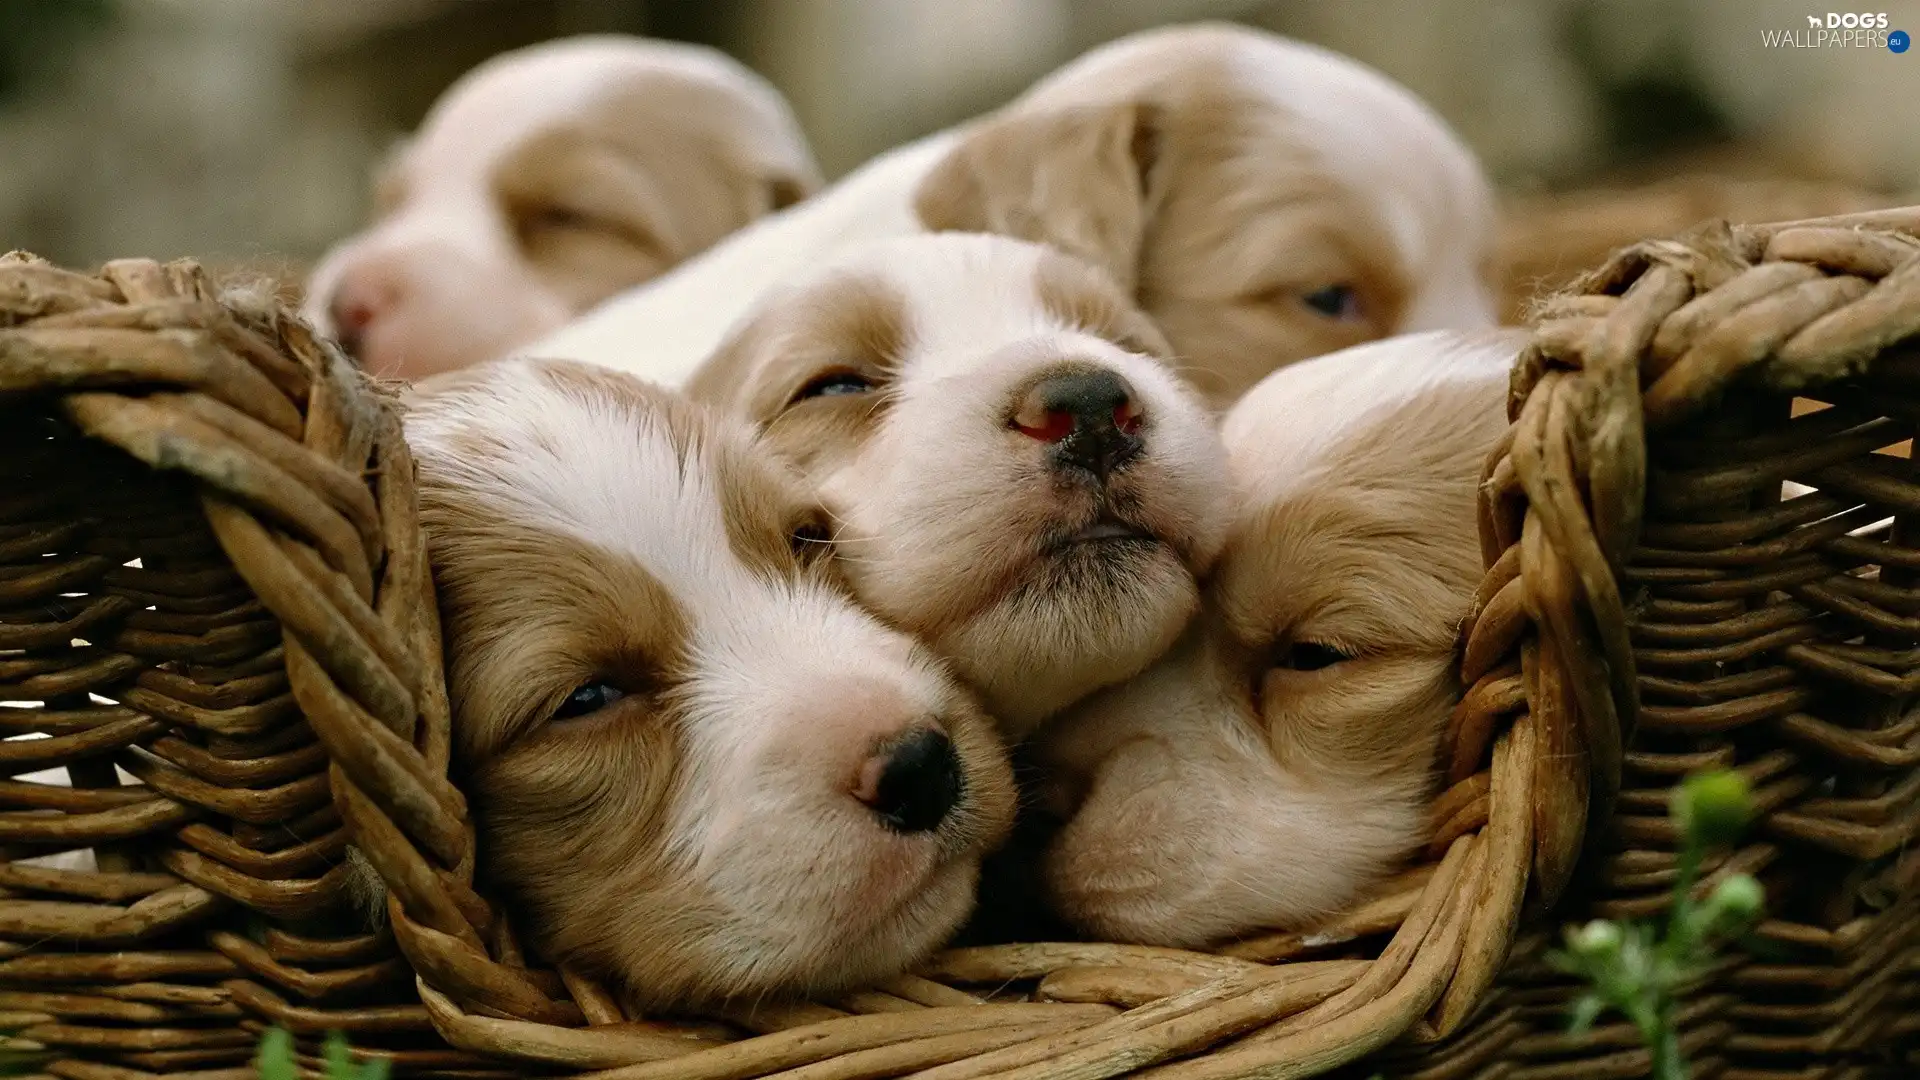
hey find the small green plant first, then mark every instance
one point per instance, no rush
(276, 1062)
(1641, 969)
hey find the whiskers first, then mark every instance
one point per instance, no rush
(844, 541)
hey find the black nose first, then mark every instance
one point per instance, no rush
(1090, 416)
(920, 783)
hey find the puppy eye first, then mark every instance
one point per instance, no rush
(557, 218)
(835, 384)
(1334, 301)
(1309, 656)
(588, 698)
(811, 540)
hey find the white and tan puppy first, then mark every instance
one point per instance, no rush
(547, 179)
(697, 766)
(1279, 760)
(1262, 199)
(1017, 476)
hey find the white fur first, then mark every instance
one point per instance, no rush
(449, 244)
(1344, 388)
(781, 689)
(947, 515)
(1179, 765)
(1372, 133)
(662, 330)
(587, 485)
(1226, 790)
(757, 644)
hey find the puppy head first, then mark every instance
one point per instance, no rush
(1277, 762)
(1017, 477)
(696, 766)
(545, 180)
(1266, 200)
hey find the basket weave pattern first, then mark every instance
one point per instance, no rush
(215, 606)
(266, 676)
(1655, 608)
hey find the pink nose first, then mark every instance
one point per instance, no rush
(361, 299)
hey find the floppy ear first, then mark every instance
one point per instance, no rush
(1077, 179)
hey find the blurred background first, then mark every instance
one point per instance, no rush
(246, 128)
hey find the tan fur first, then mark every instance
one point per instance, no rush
(547, 180)
(1162, 219)
(862, 329)
(663, 169)
(1077, 294)
(1261, 199)
(1077, 179)
(1205, 197)
(950, 523)
(641, 843)
(1229, 789)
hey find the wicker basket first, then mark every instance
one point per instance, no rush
(214, 599)
(237, 616)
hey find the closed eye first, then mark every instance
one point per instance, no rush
(834, 384)
(558, 217)
(542, 223)
(1309, 656)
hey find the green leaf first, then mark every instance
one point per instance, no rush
(376, 1069)
(1586, 1009)
(276, 1055)
(339, 1058)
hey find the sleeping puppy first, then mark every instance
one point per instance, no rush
(697, 767)
(545, 180)
(1279, 760)
(1017, 476)
(1262, 200)
(1266, 200)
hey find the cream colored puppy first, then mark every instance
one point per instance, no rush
(1016, 474)
(1279, 760)
(1263, 200)
(697, 767)
(547, 179)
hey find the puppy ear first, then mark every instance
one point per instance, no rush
(1077, 179)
